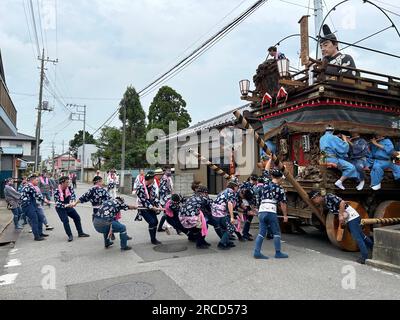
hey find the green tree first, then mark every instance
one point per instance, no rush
(78, 141)
(110, 144)
(168, 105)
(135, 128)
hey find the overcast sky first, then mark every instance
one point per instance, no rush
(105, 45)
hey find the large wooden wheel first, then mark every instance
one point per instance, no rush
(332, 226)
(387, 209)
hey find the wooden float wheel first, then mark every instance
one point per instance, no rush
(387, 209)
(332, 226)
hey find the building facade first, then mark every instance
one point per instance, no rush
(90, 151)
(216, 140)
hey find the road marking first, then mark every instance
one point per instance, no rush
(386, 273)
(314, 251)
(13, 263)
(8, 279)
(13, 251)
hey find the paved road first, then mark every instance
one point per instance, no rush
(83, 269)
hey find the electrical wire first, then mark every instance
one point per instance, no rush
(181, 65)
(66, 97)
(390, 11)
(370, 36)
(298, 5)
(330, 17)
(110, 119)
(53, 92)
(34, 27)
(388, 4)
(29, 32)
(41, 26)
(201, 50)
(206, 33)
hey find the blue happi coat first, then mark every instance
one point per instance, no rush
(382, 160)
(336, 151)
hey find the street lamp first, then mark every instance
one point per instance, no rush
(244, 87)
(283, 68)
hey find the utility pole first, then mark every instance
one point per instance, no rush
(40, 107)
(123, 153)
(63, 147)
(69, 159)
(319, 17)
(52, 162)
(80, 115)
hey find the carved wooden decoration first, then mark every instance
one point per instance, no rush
(267, 78)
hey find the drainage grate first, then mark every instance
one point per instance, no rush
(170, 248)
(127, 291)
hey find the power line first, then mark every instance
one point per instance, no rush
(66, 97)
(190, 61)
(206, 33)
(298, 5)
(56, 8)
(29, 32)
(53, 92)
(205, 46)
(211, 42)
(392, 12)
(184, 63)
(388, 4)
(368, 37)
(40, 24)
(57, 128)
(34, 27)
(330, 17)
(109, 120)
(57, 92)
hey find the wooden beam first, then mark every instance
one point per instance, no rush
(289, 177)
(251, 99)
(305, 44)
(292, 83)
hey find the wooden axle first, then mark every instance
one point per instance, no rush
(213, 166)
(303, 194)
(368, 222)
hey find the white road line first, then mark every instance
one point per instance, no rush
(8, 279)
(13, 251)
(314, 251)
(13, 263)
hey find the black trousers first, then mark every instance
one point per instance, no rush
(176, 224)
(162, 221)
(211, 221)
(67, 213)
(151, 218)
(195, 235)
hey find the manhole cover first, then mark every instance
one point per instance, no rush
(170, 248)
(127, 291)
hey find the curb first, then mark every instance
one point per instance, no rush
(4, 226)
(384, 266)
(2, 229)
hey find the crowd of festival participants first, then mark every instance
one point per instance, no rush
(230, 214)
